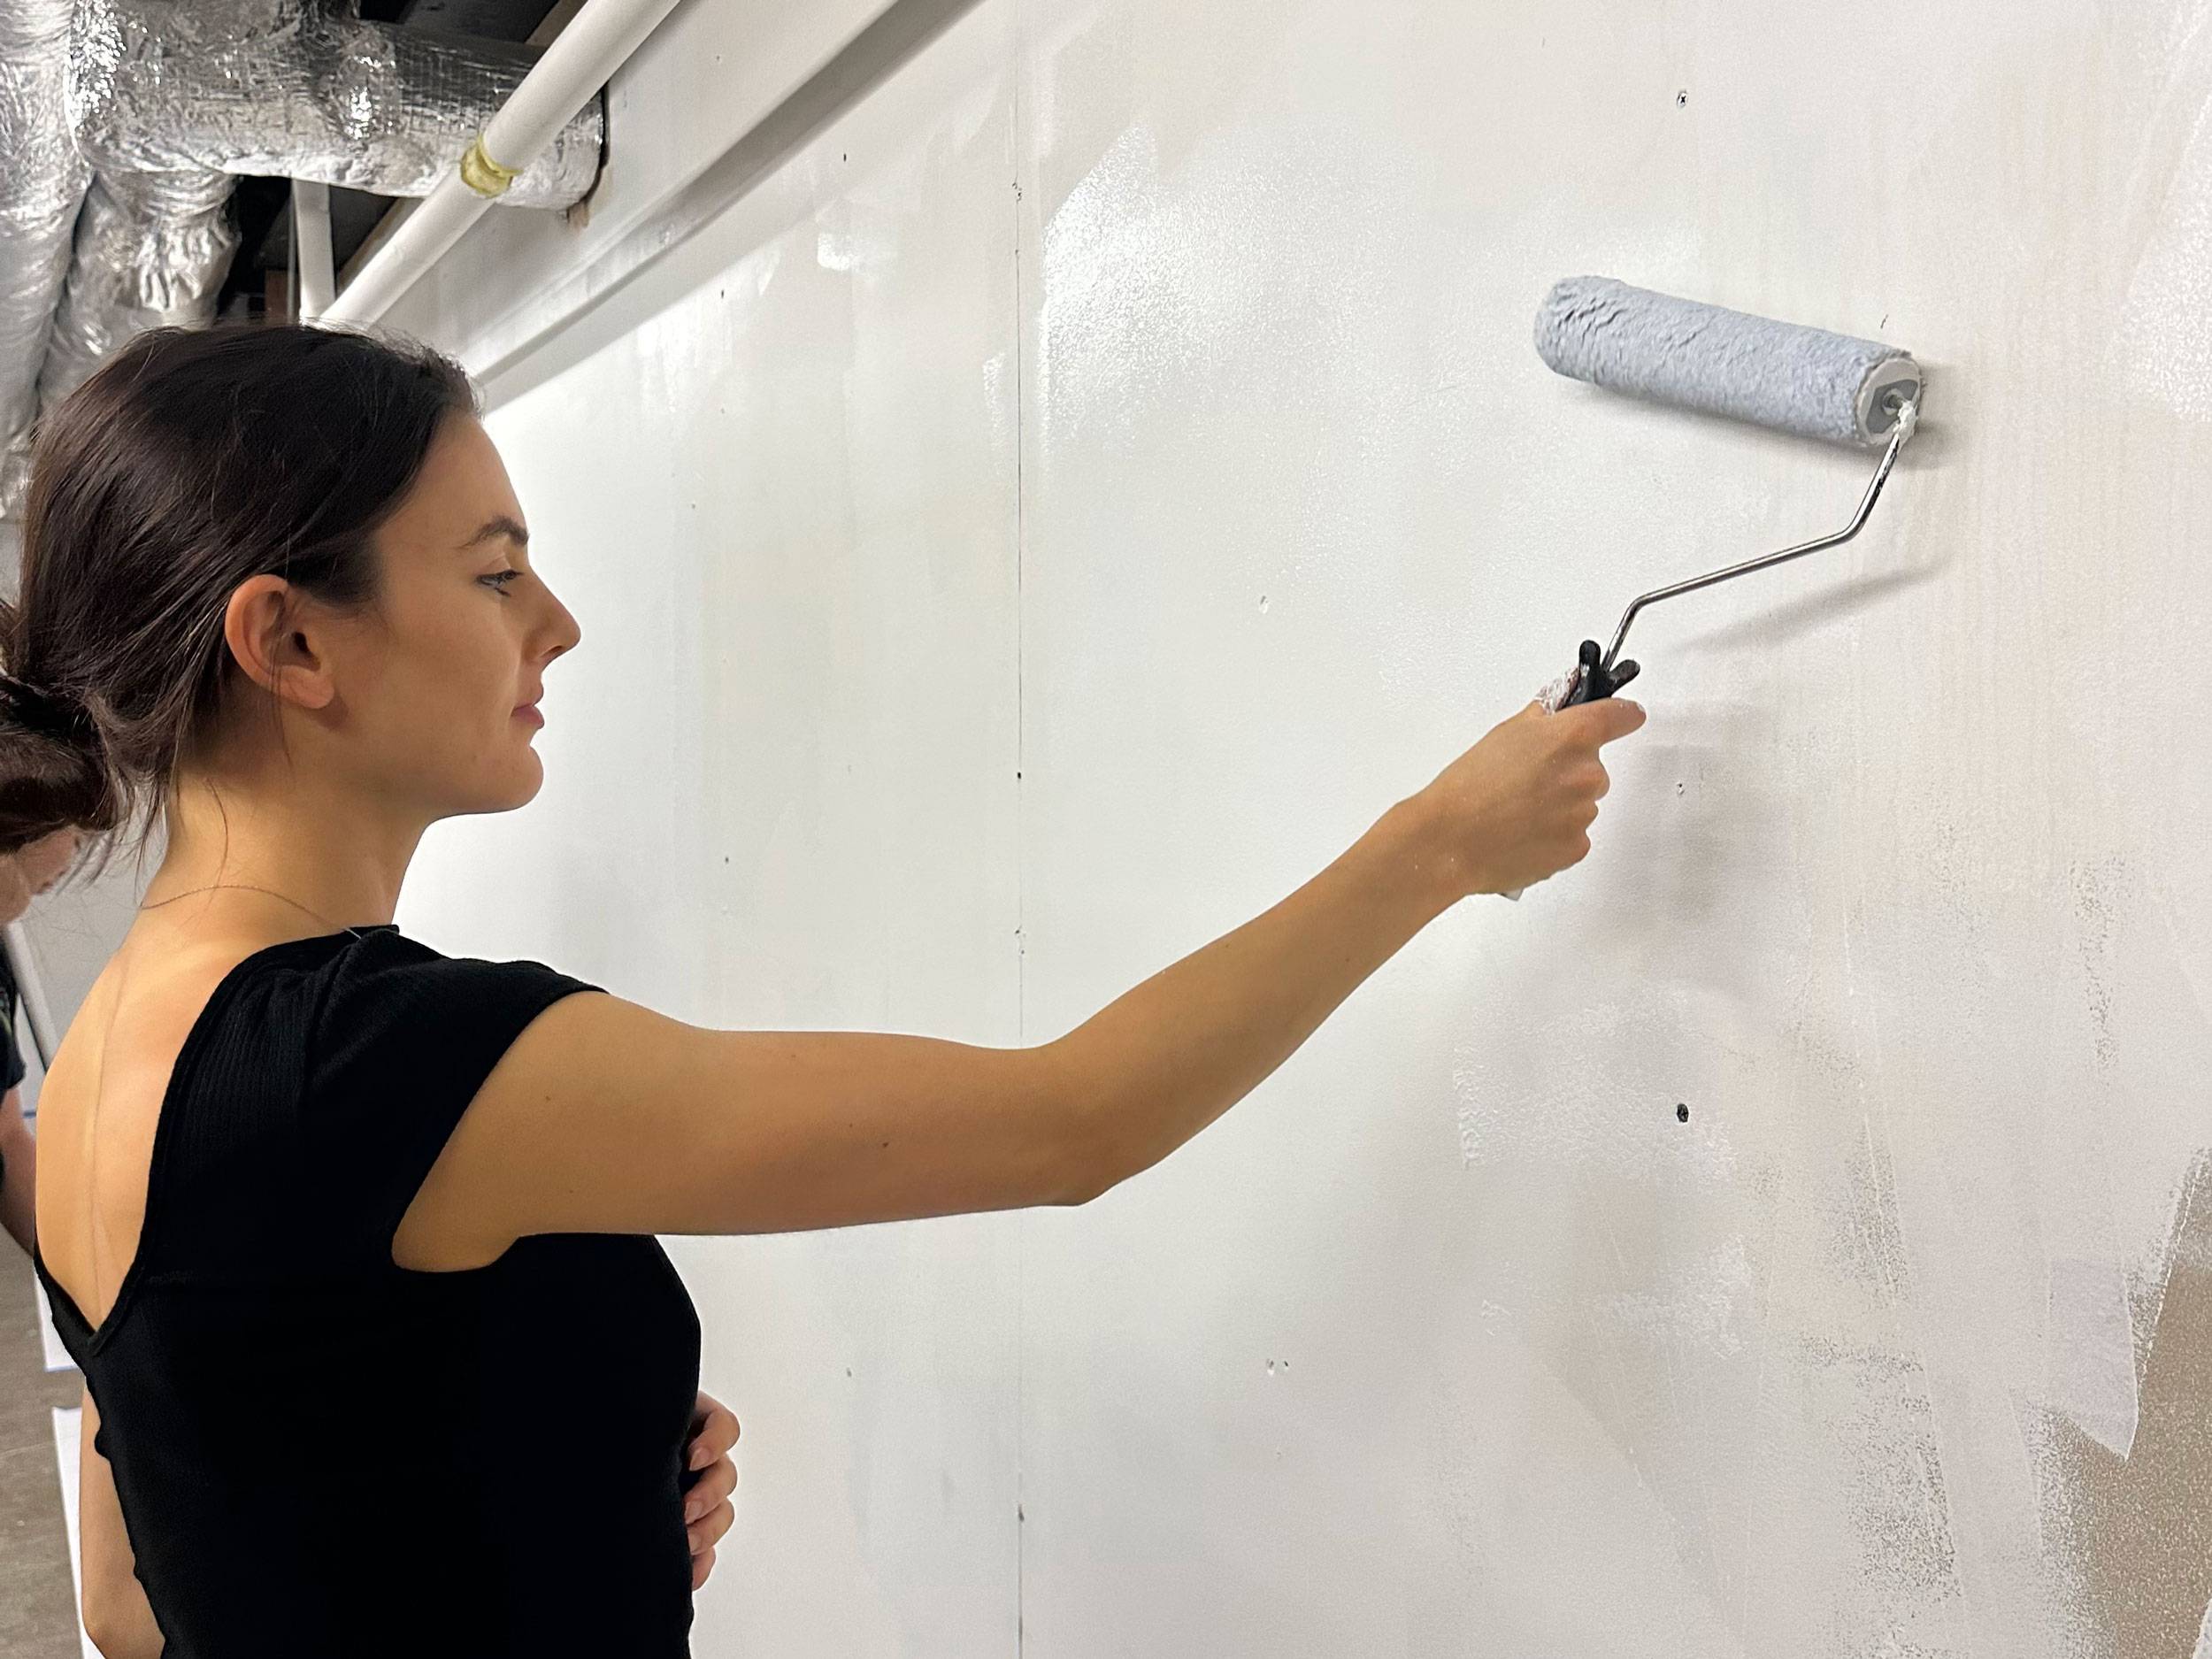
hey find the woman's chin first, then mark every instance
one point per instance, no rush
(532, 780)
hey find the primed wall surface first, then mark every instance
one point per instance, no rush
(1084, 477)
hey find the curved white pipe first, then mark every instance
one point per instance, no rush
(596, 42)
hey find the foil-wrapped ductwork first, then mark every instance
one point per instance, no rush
(300, 89)
(42, 186)
(160, 103)
(152, 249)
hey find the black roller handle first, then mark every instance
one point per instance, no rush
(1593, 679)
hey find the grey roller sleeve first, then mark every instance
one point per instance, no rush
(1799, 380)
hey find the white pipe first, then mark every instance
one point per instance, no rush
(310, 241)
(598, 40)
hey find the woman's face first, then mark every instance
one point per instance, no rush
(432, 681)
(30, 871)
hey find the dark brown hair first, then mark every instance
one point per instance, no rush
(191, 461)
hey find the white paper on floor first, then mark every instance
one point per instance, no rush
(67, 1421)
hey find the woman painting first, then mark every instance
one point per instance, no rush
(306, 1183)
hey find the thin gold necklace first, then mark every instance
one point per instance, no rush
(248, 887)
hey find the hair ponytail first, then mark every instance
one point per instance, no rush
(53, 762)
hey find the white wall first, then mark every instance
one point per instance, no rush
(1138, 394)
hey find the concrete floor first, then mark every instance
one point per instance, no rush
(38, 1613)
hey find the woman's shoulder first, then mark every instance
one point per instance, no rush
(400, 1039)
(384, 968)
(384, 1002)
(368, 994)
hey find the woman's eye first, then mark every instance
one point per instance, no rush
(502, 577)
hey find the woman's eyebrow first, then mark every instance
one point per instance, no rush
(499, 525)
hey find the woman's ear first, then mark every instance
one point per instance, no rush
(261, 626)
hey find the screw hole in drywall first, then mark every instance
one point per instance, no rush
(1681, 97)
(1681, 1114)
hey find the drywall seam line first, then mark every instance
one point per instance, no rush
(1021, 940)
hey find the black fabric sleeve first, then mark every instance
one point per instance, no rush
(403, 1039)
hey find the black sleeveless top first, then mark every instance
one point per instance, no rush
(319, 1452)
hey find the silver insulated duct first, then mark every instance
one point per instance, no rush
(170, 99)
(41, 187)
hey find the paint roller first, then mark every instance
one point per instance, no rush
(1784, 375)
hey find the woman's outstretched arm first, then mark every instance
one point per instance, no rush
(605, 1117)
